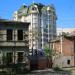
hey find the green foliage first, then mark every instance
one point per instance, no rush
(49, 52)
(44, 8)
(25, 14)
(21, 8)
(57, 68)
(46, 51)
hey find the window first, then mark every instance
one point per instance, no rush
(68, 62)
(9, 57)
(34, 8)
(9, 34)
(49, 11)
(20, 34)
(20, 57)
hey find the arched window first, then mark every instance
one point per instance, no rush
(34, 8)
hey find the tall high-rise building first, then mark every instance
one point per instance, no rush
(42, 20)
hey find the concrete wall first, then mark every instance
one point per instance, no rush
(61, 61)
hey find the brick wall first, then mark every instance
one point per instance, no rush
(68, 47)
(67, 52)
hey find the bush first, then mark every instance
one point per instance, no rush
(57, 68)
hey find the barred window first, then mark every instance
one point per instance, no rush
(9, 34)
(20, 34)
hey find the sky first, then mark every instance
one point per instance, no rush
(65, 10)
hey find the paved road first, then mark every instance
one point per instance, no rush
(49, 73)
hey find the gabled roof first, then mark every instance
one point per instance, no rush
(25, 10)
(39, 5)
(22, 8)
(67, 36)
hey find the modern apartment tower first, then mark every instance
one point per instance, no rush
(42, 20)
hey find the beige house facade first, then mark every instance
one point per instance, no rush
(42, 23)
(14, 46)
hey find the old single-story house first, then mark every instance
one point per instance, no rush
(64, 48)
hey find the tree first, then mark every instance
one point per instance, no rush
(35, 36)
(49, 52)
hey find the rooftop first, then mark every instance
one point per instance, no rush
(12, 24)
(4, 21)
(26, 9)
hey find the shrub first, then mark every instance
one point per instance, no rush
(56, 68)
